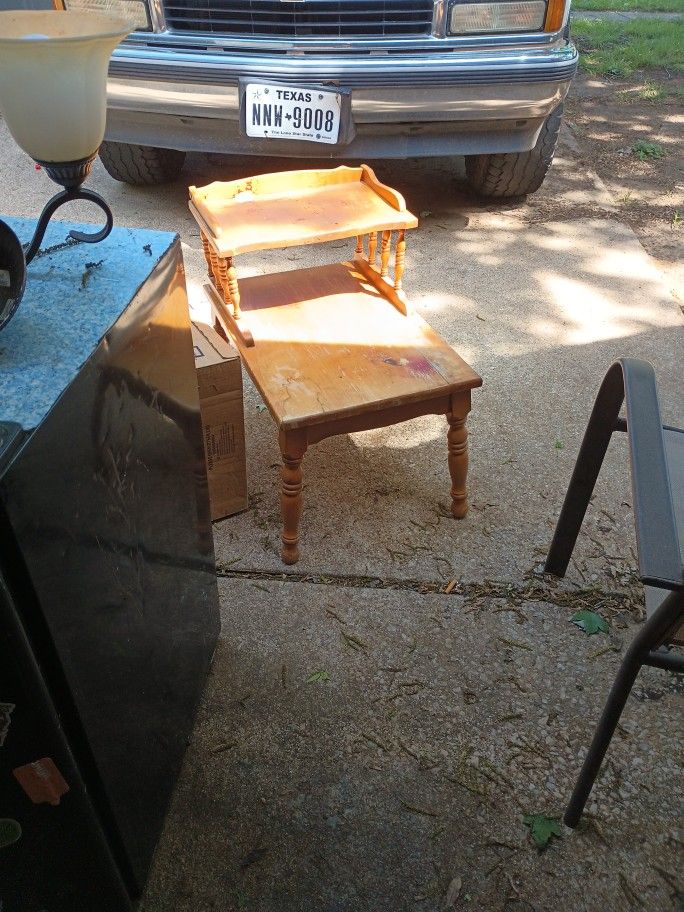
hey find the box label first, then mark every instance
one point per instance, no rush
(219, 440)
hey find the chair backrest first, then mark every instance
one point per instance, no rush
(658, 536)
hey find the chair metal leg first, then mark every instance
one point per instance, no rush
(652, 634)
(605, 729)
(594, 445)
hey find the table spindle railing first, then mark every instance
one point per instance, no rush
(385, 255)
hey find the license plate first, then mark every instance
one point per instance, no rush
(275, 112)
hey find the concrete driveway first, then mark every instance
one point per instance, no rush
(368, 742)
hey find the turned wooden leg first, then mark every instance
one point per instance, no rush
(457, 438)
(399, 261)
(359, 244)
(372, 247)
(233, 288)
(207, 254)
(214, 268)
(385, 253)
(222, 278)
(292, 448)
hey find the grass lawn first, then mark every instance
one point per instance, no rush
(611, 48)
(629, 6)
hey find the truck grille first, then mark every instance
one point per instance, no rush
(301, 18)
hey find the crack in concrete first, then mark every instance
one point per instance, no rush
(528, 591)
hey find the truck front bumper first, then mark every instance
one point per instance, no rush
(456, 103)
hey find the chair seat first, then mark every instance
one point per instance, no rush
(674, 453)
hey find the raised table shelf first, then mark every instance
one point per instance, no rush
(296, 208)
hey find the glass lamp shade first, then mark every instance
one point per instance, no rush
(53, 80)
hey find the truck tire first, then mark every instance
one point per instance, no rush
(508, 174)
(141, 164)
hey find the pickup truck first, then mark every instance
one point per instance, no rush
(341, 79)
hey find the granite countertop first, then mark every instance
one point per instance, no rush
(74, 293)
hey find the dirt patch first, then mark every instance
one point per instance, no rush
(627, 131)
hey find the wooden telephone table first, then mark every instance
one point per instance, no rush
(333, 349)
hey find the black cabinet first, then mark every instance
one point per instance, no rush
(108, 604)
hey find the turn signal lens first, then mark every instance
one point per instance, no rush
(133, 11)
(555, 16)
(481, 18)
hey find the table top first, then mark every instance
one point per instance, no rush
(296, 208)
(74, 294)
(329, 345)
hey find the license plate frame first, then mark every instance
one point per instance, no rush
(290, 97)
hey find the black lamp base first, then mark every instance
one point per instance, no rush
(12, 273)
(14, 257)
(70, 175)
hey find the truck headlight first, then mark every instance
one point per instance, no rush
(506, 16)
(133, 11)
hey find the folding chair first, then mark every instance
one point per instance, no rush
(657, 469)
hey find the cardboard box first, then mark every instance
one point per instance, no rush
(219, 379)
